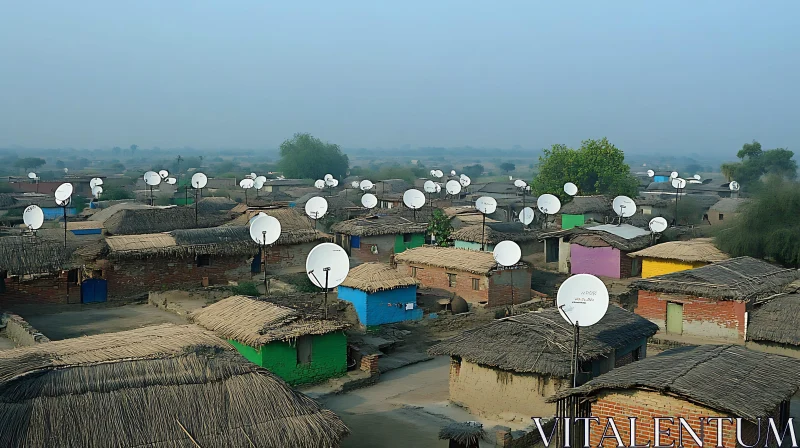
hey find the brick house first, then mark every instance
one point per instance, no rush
(710, 302)
(675, 256)
(471, 237)
(773, 325)
(139, 219)
(512, 365)
(379, 237)
(474, 276)
(707, 381)
(465, 216)
(599, 250)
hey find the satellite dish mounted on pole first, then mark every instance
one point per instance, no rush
(327, 266)
(265, 230)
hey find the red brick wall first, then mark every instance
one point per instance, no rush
(385, 249)
(436, 278)
(700, 316)
(41, 290)
(281, 258)
(625, 265)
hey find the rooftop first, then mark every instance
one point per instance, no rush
(476, 262)
(696, 250)
(380, 225)
(776, 321)
(374, 277)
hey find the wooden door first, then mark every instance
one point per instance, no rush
(674, 318)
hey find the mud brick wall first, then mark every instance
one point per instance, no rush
(20, 331)
(385, 245)
(288, 257)
(714, 319)
(436, 279)
(40, 290)
(500, 287)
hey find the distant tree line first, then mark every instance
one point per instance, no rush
(755, 163)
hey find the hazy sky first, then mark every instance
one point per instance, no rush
(671, 75)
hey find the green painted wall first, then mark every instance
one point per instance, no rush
(328, 358)
(570, 221)
(417, 240)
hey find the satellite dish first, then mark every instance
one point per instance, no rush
(414, 199)
(734, 186)
(63, 203)
(651, 173)
(95, 182)
(33, 217)
(253, 176)
(507, 253)
(316, 207)
(265, 229)
(548, 204)
(319, 183)
(465, 181)
(583, 300)
(164, 174)
(327, 177)
(452, 172)
(96, 190)
(697, 177)
(510, 177)
(519, 183)
(486, 205)
(438, 188)
(257, 184)
(658, 225)
(31, 175)
(366, 185)
(526, 215)
(66, 170)
(262, 179)
(624, 206)
(253, 218)
(429, 186)
(678, 183)
(369, 200)
(335, 183)
(570, 188)
(199, 180)
(152, 178)
(330, 181)
(438, 174)
(63, 192)
(246, 183)
(433, 173)
(673, 174)
(354, 184)
(327, 265)
(452, 187)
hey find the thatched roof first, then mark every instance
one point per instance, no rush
(476, 262)
(731, 379)
(494, 232)
(154, 220)
(109, 211)
(83, 225)
(7, 201)
(741, 278)
(379, 225)
(374, 277)
(213, 204)
(463, 433)
(587, 204)
(166, 386)
(728, 205)
(624, 237)
(25, 255)
(541, 342)
(777, 321)
(698, 249)
(257, 322)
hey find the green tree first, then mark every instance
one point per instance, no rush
(597, 167)
(749, 150)
(133, 149)
(473, 170)
(116, 150)
(115, 194)
(508, 167)
(60, 164)
(440, 228)
(778, 161)
(79, 203)
(304, 156)
(29, 163)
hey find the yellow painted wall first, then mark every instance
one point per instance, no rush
(652, 267)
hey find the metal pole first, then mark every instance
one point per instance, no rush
(327, 270)
(195, 206)
(576, 367)
(264, 256)
(483, 232)
(677, 193)
(511, 273)
(65, 226)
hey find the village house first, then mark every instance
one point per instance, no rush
(379, 237)
(124, 219)
(341, 206)
(474, 276)
(512, 365)
(675, 256)
(725, 210)
(710, 303)
(465, 216)
(694, 382)
(653, 206)
(161, 385)
(584, 209)
(276, 185)
(472, 238)
(774, 325)
(300, 348)
(599, 250)
(380, 294)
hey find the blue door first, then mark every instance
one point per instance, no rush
(94, 290)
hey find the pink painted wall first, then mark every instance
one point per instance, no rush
(602, 261)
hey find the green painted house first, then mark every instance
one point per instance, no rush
(583, 209)
(378, 237)
(299, 348)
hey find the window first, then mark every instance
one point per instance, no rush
(476, 284)
(407, 238)
(355, 242)
(304, 350)
(72, 276)
(414, 271)
(203, 260)
(720, 216)
(451, 280)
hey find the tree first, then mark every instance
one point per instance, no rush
(440, 228)
(597, 167)
(508, 167)
(749, 150)
(115, 194)
(134, 148)
(307, 157)
(29, 163)
(767, 226)
(178, 161)
(116, 150)
(473, 170)
(60, 164)
(79, 203)
(778, 161)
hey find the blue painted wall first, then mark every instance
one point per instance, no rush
(51, 213)
(86, 231)
(660, 178)
(382, 307)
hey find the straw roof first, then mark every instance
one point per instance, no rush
(214, 204)
(374, 277)
(476, 262)
(257, 322)
(379, 225)
(625, 237)
(463, 433)
(25, 255)
(728, 205)
(699, 249)
(494, 232)
(153, 220)
(166, 386)
(731, 379)
(777, 321)
(83, 225)
(587, 204)
(109, 211)
(541, 342)
(741, 278)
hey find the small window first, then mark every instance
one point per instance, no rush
(72, 276)
(204, 260)
(476, 284)
(720, 216)
(451, 280)
(414, 271)
(304, 350)
(407, 237)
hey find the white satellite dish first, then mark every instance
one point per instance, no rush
(429, 186)
(526, 215)
(678, 183)
(31, 175)
(164, 174)
(253, 176)
(697, 177)
(651, 173)
(319, 183)
(570, 188)
(63, 192)
(658, 225)
(366, 185)
(438, 174)
(734, 186)
(507, 253)
(452, 187)
(66, 170)
(486, 205)
(465, 181)
(673, 174)
(327, 176)
(172, 180)
(510, 177)
(548, 204)
(414, 199)
(519, 183)
(64, 203)
(624, 206)
(335, 183)
(354, 184)
(254, 217)
(95, 182)
(330, 181)
(152, 178)
(33, 217)
(258, 184)
(438, 188)
(433, 173)
(316, 207)
(97, 190)
(199, 180)
(246, 183)
(369, 200)
(262, 179)
(582, 300)
(452, 172)
(327, 265)
(265, 229)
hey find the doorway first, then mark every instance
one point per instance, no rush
(674, 318)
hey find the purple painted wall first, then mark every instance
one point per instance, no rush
(602, 261)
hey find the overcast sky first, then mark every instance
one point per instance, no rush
(683, 76)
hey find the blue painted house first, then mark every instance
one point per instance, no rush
(380, 294)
